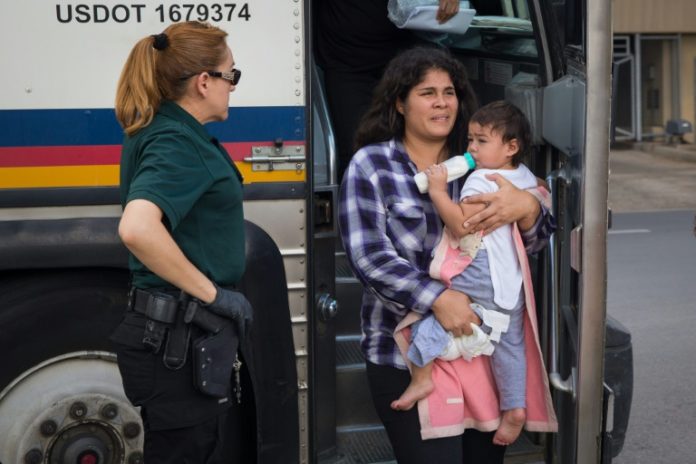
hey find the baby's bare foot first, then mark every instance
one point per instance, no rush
(510, 426)
(414, 392)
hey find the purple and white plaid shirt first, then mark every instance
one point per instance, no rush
(389, 230)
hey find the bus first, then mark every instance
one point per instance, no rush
(63, 270)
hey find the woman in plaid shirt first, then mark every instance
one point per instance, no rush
(418, 117)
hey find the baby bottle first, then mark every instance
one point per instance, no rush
(456, 166)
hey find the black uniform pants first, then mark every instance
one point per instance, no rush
(403, 427)
(215, 441)
(181, 424)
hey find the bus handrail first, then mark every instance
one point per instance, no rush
(322, 112)
(555, 378)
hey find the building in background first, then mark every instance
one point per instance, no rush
(654, 68)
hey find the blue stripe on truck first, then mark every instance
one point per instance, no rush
(20, 128)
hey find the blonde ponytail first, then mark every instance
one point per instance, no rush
(137, 95)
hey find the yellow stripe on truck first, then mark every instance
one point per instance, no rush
(108, 175)
(251, 176)
(60, 176)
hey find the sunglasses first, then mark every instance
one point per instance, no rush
(231, 77)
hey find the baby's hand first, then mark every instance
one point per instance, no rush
(437, 177)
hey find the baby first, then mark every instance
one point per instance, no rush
(499, 135)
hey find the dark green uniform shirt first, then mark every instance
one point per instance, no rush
(177, 165)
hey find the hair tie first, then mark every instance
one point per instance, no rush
(160, 42)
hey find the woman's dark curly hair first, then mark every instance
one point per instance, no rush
(382, 121)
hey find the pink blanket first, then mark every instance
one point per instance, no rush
(465, 393)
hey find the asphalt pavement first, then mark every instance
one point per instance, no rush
(651, 290)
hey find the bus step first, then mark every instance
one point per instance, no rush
(370, 445)
(524, 451)
(343, 269)
(349, 297)
(363, 445)
(353, 399)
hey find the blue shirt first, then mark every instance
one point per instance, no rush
(389, 230)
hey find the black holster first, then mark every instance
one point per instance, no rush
(215, 352)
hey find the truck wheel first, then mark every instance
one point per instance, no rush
(61, 399)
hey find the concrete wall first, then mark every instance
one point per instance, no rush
(654, 16)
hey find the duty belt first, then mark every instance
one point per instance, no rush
(169, 321)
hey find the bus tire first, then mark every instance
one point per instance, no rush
(61, 397)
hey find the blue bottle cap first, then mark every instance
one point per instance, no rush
(470, 160)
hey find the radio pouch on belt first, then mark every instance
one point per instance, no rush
(214, 354)
(160, 310)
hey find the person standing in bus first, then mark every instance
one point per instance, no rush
(183, 225)
(418, 118)
(486, 268)
(354, 42)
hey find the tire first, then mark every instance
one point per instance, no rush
(61, 397)
(47, 314)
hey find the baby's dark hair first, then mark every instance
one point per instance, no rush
(509, 122)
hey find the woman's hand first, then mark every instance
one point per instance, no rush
(447, 9)
(507, 205)
(453, 311)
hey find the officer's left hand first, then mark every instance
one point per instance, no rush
(233, 305)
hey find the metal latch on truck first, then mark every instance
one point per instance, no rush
(278, 157)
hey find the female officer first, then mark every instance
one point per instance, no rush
(183, 225)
